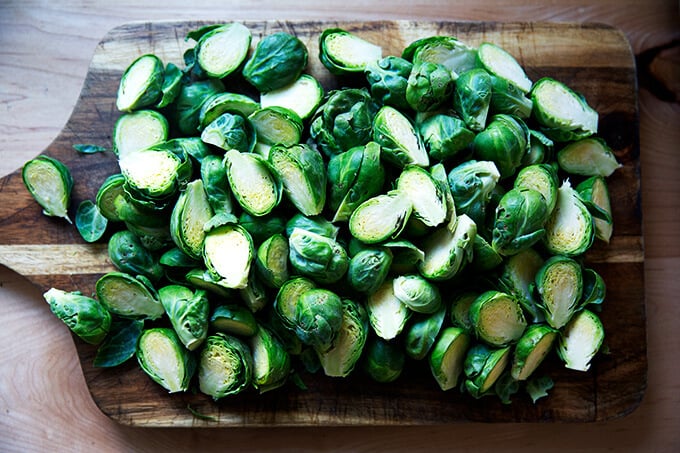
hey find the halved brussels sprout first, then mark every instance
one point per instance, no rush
(542, 178)
(504, 141)
(460, 309)
(49, 182)
(315, 224)
(228, 253)
(588, 157)
(497, 318)
(595, 194)
(507, 98)
(447, 51)
(272, 260)
(137, 131)
(286, 300)
(318, 257)
(519, 222)
(155, 173)
(417, 293)
(128, 254)
(400, 143)
(421, 333)
(472, 184)
(83, 315)
(277, 126)
(429, 86)
(368, 269)
(186, 110)
(302, 96)
(559, 282)
(580, 340)
(380, 217)
(127, 296)
(426, 195)
(188, 312)
(483, 366)
(569, 229)
(220, 103)
(234, 320)
(517, 278)
(191, 212)
(448, 356)
(165, 360)
(387, 79)
(563, 114)
(221, 51)
(444, 136)
(317, 318)
(499, 62)
(278, 59)
(110, 189)
(302, 172)
(342, 52)
(531, 349)
(448, 252)
(271, 362)
(254, 185)
(341, 358)
(594, 289)
(405, 256)
(472, 97)
(225, 366)
(438, 172)
(230, 131)
(383, 360)
(386, 313)
(140, 84)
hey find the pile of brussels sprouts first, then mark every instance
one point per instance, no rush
(422, 216)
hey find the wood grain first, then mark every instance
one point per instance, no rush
(603, 72)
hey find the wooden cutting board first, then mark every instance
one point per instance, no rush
(591, 58)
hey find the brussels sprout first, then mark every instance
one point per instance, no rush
(368, 269)
(341, 358)
(272, 260)
(405, 256)
(504, 141)
(588, 157)
(595, 194)
(49, 182)
(254, 295)
(447, 51)
(531, 349)
(234, 320)
(302, 172)
(186, 110)
(429, 86)
(172, 82)
(386, 313)
(220, 51)
(383, 361)
(353, 177)
(255, 187)
(448, 252)
(507, 98)
(137, 131)
(472, 98)
(421, 333)
(216, 185)
(540, 149)
(151, 238)
(203, 279)
(497, 318)
(580, 340)
(426, 194)
(315, 224)
(188, 312)
(517, 278)
(500, 63)
(387, 79)
(594, 289)
(483, 366)
(559, 282)
(317, 318)
(471, 185)
(342, 52)
(542, 178)
(569, 229)
(128, 254)
(302, 96)
(83, 315)
(140, 84)
(460, 309)
(563, 114)
(230, 131)
(400, 143)
(191, 212)
(110, 189)
(155, 174)
(279, 59)
(163, 358)
(417, 293)
(260, 228)
(287, 297)
(448, 356)
(318, 257)
(380, 217)
(271, 362)
(127, 296)
(344, 121)
(277, 125)
(520, 217)
(228, 252)
(438, 173)
(225, 366)
(444, 136)
(220, 103)
(120, 343)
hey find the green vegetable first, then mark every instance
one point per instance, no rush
(543, 179)
(191, 212)
(421, 332)
(472, 184)
(517, 279)
(589, 157)
(368, 269)
(277, 126)
(220, 103)
(380, 217)
(302, 96)
(444, 136)
(83, 315)
(49, 182)
(500, 63)
(386, 313)
(216, 185)
(531, 350)
(400, 143)
(172, 82)
(429, 86)
(427, 196)
(417, 293)
(87, 148)
(506, 97)
(230, 131)
(520, 218)
(383, 361)
(129, 255)
(225, 366)
(252, 181)
(448, 252)
(286, 301)
(342, 52)
(472, 97)
(321, 258)
(314, 224)
(580, 340)
(559, 282)
(165, 360)
(448, 356)
(279, 59)
(120, 344)
(128, 296)
(90, 222)
(228, 253)
(341, 358)
(388, 79)
(497, 318)
(188, 312)
(302, 172)
(569, 229)
(141, 84)
(105, 200)
(221, 51)
(504, 141)
(187, 108)
(447, 51)
(137, 131)
(460, 309)
(483, 366)
(317, 319)
(595, 194)
(272, 260)
(271, 361)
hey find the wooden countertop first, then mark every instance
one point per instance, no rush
(45, 51)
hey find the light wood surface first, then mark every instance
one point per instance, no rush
(45, 50)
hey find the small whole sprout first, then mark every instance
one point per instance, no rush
(504, 141)
(368, 269)
(472, 97)
(318, 257)
(83, 315)
(388, 78)
(472, 184)
(417, 293)
(317, 318)
(520, 218)
(445, 136)
(278, 59)
(429, 86)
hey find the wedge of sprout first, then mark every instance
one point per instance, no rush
(228, 253)
(569, 229)
(277, 125)
(400, 143)
(219, 103)
(165, 359)
(286, 300)
(271, 362)
(344, 354)
(253, 184)
(483, 366)
(448, 356)
(138, 130)
(386, 313)
(154, 174)
(448, 252)
(342, 52)
(381, 217)
(421, 332)
(497, 318)
(233, 319)
(580, 340)
(141, 84)
(302, 173)
(302, 96)
(190, 213)
(427, 196)
(594, 192)
(222, 50)
(588, 157)
(559, 282)
(128, 296)
(499, 62)
(49, 182)
(84, 316)
(531, 349)
(225, 366)
(188, 311)
(383, 361)
(272, 260)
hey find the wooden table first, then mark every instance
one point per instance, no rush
(45, 51)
